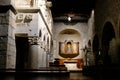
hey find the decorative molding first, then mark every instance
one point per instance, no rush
(33, 40)
(28, 18)
(48, 4)
(20, 18)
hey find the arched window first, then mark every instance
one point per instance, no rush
(40, 33)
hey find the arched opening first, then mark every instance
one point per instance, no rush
(44, 38)
(89, 44)
(48, 44)
(40, 33)
(69, 43)
(69, 31)
(95, 48)
(107, 35)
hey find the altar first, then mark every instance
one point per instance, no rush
(73, 64)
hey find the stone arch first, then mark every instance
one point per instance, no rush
(69, 36)
(68, 31)
(89, 44)
(108, 34)
(64, 29)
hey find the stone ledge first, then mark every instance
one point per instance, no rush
(40, 70)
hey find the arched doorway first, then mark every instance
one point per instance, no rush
(108, 35)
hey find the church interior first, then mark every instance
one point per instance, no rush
(60, 36)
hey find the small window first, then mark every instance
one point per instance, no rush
(40, 33)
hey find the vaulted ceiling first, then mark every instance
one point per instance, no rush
(80, 9)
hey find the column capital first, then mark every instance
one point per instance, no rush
(33, 40)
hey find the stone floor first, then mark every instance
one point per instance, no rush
(51, 76)
(71, 76)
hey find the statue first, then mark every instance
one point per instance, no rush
(68, 47)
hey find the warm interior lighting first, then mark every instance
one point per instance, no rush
(69, 18)
(70, 15)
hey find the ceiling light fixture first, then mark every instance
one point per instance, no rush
(70, 15)
(69, 18)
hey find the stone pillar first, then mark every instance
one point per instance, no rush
(37, 53)
(40, 57)
(11, 46)
(44, 59)
(33, 52)
(48, 60)
(3, 51)
(5, 37)
(118, 49)
(44, 54)
(113, 51)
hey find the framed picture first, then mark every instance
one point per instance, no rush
(69, 47)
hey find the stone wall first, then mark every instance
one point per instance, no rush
(11, 46)
(27, 23)
(5, 2)
(108, 11)
(81, 36)
(4, 21)
(3, 50)
(90, 61)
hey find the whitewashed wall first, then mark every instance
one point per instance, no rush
(81, 37)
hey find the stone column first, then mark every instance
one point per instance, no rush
(37, 53)
(42, 58)
(33, 52)
(3, 51)
(7, 41)
(118, 49)
(44, 55)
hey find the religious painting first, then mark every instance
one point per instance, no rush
(69, 47)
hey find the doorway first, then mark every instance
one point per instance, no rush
(22, 48)
(108, 35)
